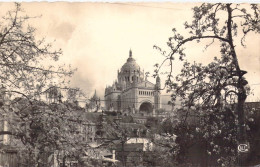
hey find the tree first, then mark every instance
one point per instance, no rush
(39, 130)
(215, 94)
(38, 127)
(22, 56)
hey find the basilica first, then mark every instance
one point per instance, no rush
(132, 92)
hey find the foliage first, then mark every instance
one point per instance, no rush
(39, 130)
(151, 122)
(127, 119)
(160, 156)
(39, 127)
(212, 96)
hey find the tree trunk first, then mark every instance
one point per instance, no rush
(242, 137)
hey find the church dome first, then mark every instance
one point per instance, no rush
(130, 65)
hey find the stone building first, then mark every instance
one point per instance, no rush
(93, 104)
(132, 92)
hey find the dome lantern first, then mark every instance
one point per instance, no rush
(130, 65)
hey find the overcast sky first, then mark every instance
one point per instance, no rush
(96, 38)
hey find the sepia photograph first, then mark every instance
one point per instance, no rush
(129, 84)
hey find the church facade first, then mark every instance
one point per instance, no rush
(132, 92)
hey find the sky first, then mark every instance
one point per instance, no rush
(96, 39)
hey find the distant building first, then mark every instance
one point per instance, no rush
(132, 92)
(93, 105)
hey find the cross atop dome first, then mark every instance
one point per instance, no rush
(130, 53)
(130, 58)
